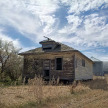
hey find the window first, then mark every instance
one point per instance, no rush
(48, 48)
(83, 63)
(58, 63)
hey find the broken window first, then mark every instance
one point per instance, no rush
(58, 63)
(48, 48)
(83, 62)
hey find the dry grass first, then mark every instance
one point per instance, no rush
(99, 82)
(22, 94)
(90, 94)
(106, 78)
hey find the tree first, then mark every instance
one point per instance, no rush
(10, 62)
(14, 67)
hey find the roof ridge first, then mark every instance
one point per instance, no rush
(63, 47)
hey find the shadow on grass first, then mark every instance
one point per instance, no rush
(97, 84)
(45, 103)
(30, 104)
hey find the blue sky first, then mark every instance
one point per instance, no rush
(82, 24)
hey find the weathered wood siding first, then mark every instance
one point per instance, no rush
(83, 73)
(67, 72)
(32, 67)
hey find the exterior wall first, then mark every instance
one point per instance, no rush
(83, 73)
(32, 66)
(105, 67)
(67, 72)
(98, 68)
(36, 61)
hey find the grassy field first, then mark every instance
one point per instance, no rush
(88, 94)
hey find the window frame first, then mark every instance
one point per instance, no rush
(56, 64)
(83, 62)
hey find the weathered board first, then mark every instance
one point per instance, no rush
(67, 72)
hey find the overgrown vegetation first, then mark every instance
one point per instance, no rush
(10, 63)
(38, 95)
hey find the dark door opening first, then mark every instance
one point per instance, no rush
(46, 73)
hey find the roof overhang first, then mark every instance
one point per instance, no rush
(69, 51)
(85, 56)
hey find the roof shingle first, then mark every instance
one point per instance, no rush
(39, 50)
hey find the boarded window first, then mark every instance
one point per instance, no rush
(83, 62)
(58, 63)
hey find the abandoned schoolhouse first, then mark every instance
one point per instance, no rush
(57, 60)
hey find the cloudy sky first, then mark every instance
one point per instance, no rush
(82, 24)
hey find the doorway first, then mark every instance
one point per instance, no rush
(46, 69)
(46, 73)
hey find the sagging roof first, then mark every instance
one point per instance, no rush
(39, 50)
(63, 48)
(60, 47)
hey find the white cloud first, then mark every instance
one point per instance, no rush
(42, 7)
(73, 23)
(15, 42)
(27, 48)
(102, 57)
(32, 18)
(36, 18)
(91, 33)
(6, 38)
(77, 6)
(93, 30)
(73, 19)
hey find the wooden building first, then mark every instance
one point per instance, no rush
(56, 60)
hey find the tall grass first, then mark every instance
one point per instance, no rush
(106, 78)
(99, 82)
(37, 93)
(78, 87)
(36, 86)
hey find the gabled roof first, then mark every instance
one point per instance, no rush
(59, 48)
(39, 50)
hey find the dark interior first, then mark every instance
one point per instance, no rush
(46, 73)
(58, 63)
(48, 48)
